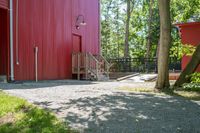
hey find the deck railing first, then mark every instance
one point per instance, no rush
(104, 64)
(88, 64)
(141, 65)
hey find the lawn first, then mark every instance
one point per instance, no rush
(190, 95)
(19, 116)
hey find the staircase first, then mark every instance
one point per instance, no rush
(90, 67)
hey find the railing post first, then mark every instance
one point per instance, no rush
(78, 66)
(97, 69)
(86, 65)
(72, 62)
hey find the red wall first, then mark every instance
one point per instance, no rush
(3, 42)
(4, 4)
(50, 25)
(90, 32)
(190, 34)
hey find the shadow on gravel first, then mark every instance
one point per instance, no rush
(42, 84)
(132, 113)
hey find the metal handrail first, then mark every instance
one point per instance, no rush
(91, 63)
(107, 65)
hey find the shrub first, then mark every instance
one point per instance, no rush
(195, 77)
(192, 87)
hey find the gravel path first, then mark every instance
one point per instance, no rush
(98, 107)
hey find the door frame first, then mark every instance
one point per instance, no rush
(7, 42)
(81, 45)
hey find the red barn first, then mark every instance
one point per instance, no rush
(190, 34)
(38, 37)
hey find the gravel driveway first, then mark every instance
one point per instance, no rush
(98, 107)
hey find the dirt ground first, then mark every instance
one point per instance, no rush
(100, 107)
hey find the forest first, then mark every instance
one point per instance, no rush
(146, 29)
(131, 28)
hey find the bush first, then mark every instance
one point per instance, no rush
(192, 87)
(195, 77)
(194, 84)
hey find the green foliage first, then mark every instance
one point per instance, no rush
(178, 50)
(195, 82)
(113, 18)
(195, 77)
(27, 118)
(188, 50)
(185, 10)
(192, 87)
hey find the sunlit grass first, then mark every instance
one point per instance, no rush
(140, 90)
(18, 116)
(10, 104)
(190, 95)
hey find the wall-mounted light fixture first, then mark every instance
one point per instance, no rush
(80, 21)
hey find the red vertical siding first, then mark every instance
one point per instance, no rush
(25, 46)
(4, 4)
(48, 40)
(90, 33)
(49, 25)
(92, 28)
(3, 42)
(190, 35)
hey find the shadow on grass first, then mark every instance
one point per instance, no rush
(18, 116)
(190, 95)
(34, 120)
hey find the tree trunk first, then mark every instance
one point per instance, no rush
(148, 53)
(157, 49)
(190, 68)
(107, 22)
(165, 40)
(118, 32)
(126, 47)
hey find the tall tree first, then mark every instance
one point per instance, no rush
(165, 41)
(149, 36)
(107, 37)
(126, 47)
(114, 18)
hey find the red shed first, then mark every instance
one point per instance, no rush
(38, 37)
(190, 34)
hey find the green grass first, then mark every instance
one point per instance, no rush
(10, 104)
(141, 90)
(19, 116)
(190, 95)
